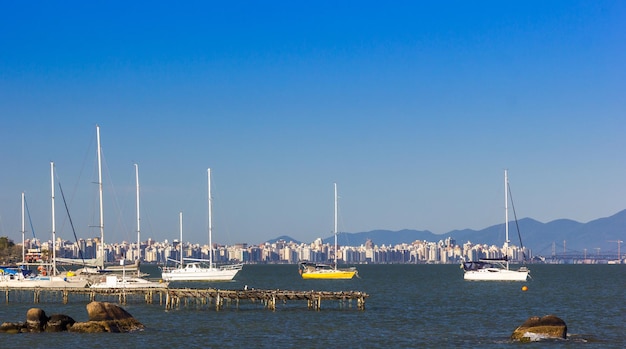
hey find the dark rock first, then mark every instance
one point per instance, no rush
(12, 327)
(59, 323)
(549, 326)
(114, 326)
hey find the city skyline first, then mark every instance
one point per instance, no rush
(413, 109)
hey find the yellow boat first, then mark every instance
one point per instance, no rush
(325, 271)
(310, 270)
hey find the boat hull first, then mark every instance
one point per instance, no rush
(495, 274)
(193, 272)
(129, 283)
(329, 274)
(44, 282)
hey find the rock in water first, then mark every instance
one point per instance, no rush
(549, 326)
(59, 323)
(12, 327)
(107, 317)
(104, 311)
(36, 320)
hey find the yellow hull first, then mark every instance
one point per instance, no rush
(329, 274)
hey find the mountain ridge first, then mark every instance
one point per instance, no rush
(596, 236)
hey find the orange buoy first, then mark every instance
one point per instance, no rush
(524, 288)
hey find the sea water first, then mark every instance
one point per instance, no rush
(409, 306)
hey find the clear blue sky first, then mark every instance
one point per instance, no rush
(414, 108)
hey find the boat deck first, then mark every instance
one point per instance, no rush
(173, 298)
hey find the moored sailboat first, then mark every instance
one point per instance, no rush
(309, 270)
(48, 276)
(200, 269)
(497, 269)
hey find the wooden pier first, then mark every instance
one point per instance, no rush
(90, 294)
(269, 298)
(205, 297)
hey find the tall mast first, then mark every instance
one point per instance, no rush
(210, 220)
(506, 217)
(180, 228)
(23, 233)
(335, 228)
(138, 219)
(54, 233)
(100, 191)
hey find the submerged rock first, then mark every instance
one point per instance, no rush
(536, 328)
(13, 327)
(59, 323)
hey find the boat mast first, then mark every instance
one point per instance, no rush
(54, 233)
(100, 191)
(210, 220)
(138, 219)
(180, 228)
(335, 227)
(23, 233)
(506, 218)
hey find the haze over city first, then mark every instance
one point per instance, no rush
(414, 109)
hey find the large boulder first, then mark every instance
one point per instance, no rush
(36, 320)
(536, 328)
(104, 311)
(107, 317)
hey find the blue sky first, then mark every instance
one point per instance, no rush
(413, 108)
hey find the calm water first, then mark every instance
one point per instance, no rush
(410, 306)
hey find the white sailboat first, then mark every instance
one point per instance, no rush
(496, 269)
(93, 265)
(48, 275)
(326, 271)
(115, 280)
(129, 283)
(196, 270)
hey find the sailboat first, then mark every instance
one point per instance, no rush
(115, 280)
(93, 265)
(310, 270)
(196, 270)
(496, 269)
(48, 274)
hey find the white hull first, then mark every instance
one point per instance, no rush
(194, 272)
(130, 283)
(44, 282)
(496, 274)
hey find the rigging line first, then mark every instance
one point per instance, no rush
(519, 235)
(80, 252)
(30, 221)
(120, 222)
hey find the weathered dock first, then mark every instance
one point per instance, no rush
(178, 297)
(90, 294)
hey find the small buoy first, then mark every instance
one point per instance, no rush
(524, 288)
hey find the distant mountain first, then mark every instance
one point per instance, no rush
(286, 239)
(563, 234)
